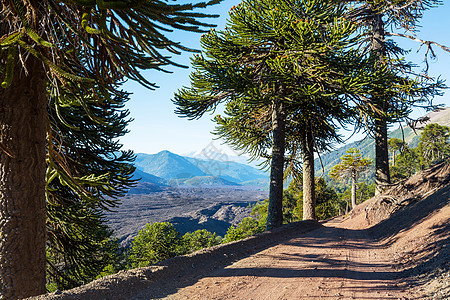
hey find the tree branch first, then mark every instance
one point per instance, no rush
(423, 42)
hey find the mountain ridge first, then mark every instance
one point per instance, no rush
(166, 165)
(169, 168)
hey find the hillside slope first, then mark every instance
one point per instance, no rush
(367, 146)
(229, 170)
(393, 246)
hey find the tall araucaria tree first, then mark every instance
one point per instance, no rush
(352, 164)
(84, 47)
(395, 145)
(408, 89)
(282, 69)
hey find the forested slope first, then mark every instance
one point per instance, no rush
(367, 145)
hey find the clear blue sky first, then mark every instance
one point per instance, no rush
(156, 127)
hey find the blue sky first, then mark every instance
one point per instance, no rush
(156, 127)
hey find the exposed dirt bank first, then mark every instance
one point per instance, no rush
(363, 256)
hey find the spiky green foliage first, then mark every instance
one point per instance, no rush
(352, 163)
(89, 46)
(269, 51)
(87, 172)
(277, 59)
(86, 41)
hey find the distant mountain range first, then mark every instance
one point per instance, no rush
(167, 165)
(167, 168)
(367, 146)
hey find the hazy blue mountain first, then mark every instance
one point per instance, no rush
(229, 170)
(146, 177)
(148, 183)
(179, 170)
(367, 146)
(209, 181)
(167, 165)
(213, 153)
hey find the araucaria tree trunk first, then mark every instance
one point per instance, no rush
(23, 127)
(275, 210)
(309, 193)
(353, 191)
(382, 177)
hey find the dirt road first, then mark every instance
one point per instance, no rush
(328, 263)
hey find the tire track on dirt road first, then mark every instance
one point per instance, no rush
(328, 263)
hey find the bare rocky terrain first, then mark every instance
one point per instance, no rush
(393, 246)
(188, 208)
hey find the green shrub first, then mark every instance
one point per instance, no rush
(259, 211)
(247, 227)
(200, 239)
(407, 163)
(154, 243)
(107, 270)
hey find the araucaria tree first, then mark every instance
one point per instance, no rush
(395, 145)
(351, 166)
(282, 68)
(434, 143)
(407, 89)
(76, 48)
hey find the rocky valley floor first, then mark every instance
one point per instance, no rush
(188, 208)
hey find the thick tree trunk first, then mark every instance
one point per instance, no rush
(353, 192)
(23, 126)
(309, 192)
(275, 210)
(382, 176)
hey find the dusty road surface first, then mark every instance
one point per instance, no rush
(331, 262)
